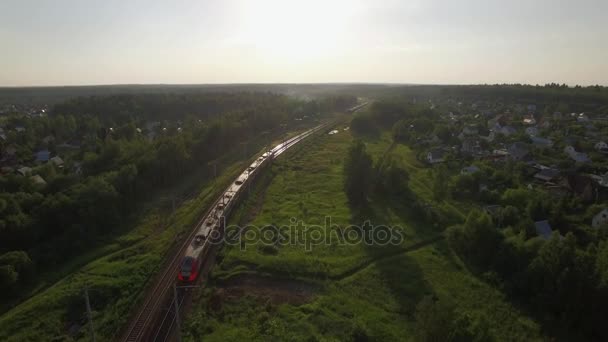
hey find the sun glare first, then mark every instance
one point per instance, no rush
(293, 30)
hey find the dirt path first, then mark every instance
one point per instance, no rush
(276, 290)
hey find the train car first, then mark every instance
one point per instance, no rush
(196, 252)
(199, 247)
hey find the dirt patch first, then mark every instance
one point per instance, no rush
(275, 290)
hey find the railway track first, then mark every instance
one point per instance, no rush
(160, 295)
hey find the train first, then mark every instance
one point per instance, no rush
(212, 224)
(199, 247)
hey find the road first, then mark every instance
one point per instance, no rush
(154, 319)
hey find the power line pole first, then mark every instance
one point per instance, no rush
(177, 322)
(89, 315)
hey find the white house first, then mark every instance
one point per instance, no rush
(600, 218)
(601, 147)
(582, 118)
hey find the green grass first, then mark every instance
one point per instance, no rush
(362, 290)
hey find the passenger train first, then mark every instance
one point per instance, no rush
(212, 225)
(199, 248)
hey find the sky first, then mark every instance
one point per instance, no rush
(77, 42)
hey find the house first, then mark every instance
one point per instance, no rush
(20, 129)
(547, 175)
(529, 120)
(601, 147)
(543, 229)
(582, 117)
(518, 151)
(531, 108)
(48, 139)
(57, 161)
(532, 131)
(600, 219)
(580, 185)
(435, 156)
(507, 130)
(491, 136)
(578, 157)
(470, 146)
(24, 171)
(38, 180)
(43, 156)
(77, 167)
(469, 170)
(468, 131)
(497, 122)
(544, 123)
(10, 151)
(541, 142)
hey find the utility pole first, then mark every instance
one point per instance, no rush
(89, 315)
(177, 322)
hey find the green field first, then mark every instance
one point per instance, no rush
(336, 291)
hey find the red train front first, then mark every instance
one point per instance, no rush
(188, 270)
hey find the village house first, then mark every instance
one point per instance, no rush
(529, 120)
(581, 186)
(470, 146)
(600, 218)
(48, 139)
(541, 142)
(582, 117)
(518, 151)
(42, 156)
(578, 157)
(547, 175)
(57, 161)
(469, 170)
(532, 131)
(506, 130)
(601, 147)
(435, 156)
(38, 180)
(544, 123)
(543, 229)
(24, 171)
(468, 131)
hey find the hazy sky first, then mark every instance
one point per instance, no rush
(56, 42)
